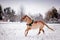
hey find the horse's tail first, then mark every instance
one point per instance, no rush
(47, 26)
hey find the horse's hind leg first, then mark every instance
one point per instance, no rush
(26, 31)
(43, 30)
(39, 31)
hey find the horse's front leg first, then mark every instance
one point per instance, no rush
(26, 31)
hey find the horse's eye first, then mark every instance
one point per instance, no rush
(23, 18)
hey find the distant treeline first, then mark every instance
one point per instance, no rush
(8, 14)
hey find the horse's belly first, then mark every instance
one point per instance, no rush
(35, 27)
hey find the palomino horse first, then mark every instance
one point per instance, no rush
(34, 24)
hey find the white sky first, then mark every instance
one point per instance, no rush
(31, 6)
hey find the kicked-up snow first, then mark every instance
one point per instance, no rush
(15, 31)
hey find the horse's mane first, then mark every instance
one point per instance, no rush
(27, 16)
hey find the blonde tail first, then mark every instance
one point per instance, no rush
(49, 27)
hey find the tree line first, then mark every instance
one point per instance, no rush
(8, 14)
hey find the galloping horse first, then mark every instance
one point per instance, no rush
(34, 24)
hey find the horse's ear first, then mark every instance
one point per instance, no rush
(26, 16)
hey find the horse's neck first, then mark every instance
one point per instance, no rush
(29, 21)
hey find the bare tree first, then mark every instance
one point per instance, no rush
(21, 12)
(9, 14)
(52, 15)
(1, 12)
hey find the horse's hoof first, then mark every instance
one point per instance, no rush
(25, 35)
(38, 33)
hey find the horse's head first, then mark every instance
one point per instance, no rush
(24, 18)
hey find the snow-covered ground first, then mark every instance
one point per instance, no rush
(15, 31)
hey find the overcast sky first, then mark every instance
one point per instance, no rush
(31, 6)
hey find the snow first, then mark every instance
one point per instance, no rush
(15, 31)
